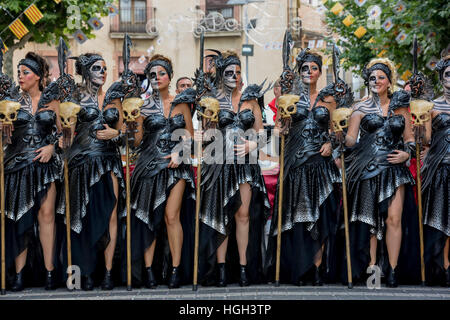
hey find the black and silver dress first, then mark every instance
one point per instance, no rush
(151, 184)
(220, 200)
(92, 199)
(310, 197)
(436, 194)
(27, 181)
(372, 184)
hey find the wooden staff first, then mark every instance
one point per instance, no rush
(68, 112)
(419, 136)
(2, 208)
(280, 212)
(131, 111)
(419, 203)
(128, 213)
(347, 236)
(8, 109)
(197, 211)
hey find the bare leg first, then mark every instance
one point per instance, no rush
(148, 254)
(21, 259)
(242, 222)
(109, 251)
(46, 219)
(373, 250)
(394, 226)
(318, 257)
(173, 224)
(446, 247)
(222, 251)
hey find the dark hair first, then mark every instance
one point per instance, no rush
(39, 66)
(85, 61)
(182, 78)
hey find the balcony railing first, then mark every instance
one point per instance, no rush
(216, 23)
(137, 20)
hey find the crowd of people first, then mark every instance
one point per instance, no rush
(239, 202)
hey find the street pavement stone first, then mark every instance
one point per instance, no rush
(234, 292)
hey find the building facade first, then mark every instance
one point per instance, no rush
(172, 28)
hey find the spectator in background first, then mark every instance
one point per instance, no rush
(273, 104)
(182, 84)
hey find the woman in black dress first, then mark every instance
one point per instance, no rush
(160, 178)
(32, 171)
(436, 182)
(97, 189)
(234, 204)
(381, 203)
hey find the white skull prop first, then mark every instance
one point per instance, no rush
(420, 109)
(8, 111)
(287, 105)
(67, 112)
(340, 118)
(211, 108)
(131, 108)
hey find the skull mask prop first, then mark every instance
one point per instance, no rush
(132, 108)
(67, 111)
(8, 111)
(420, 109)
(340, 118)
(211, 108)
(287, 104)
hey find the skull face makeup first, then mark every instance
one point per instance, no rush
(97, 73)
(159, 78)
(232, 76)
(378, 82)
(310, 72)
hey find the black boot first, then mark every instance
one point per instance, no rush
(222, 275)
(50, 282)
(87, 283)
(243, 280)
(317, 280)
(18, 282)
(107, 283)
(151, 281)
(391, 280)
(447, 277)
(174, 281)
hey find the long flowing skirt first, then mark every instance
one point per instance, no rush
(368, 209)
(220, 200)
(149, 196)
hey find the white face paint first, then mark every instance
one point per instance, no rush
(156, 73)
(309, 72)
(378, 82)
(231, 75)
(446, 78)
(97, 73)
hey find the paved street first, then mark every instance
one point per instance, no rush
(234, 292)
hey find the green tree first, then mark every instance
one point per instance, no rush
(55, 23)
(428, 19)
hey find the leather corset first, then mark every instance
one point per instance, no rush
(309, 131)
(30, 133)
(233, 125)
(157, 142)
(384, 136)
(91, 119)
